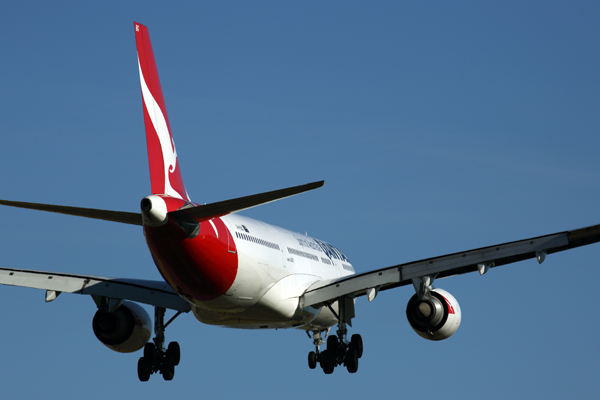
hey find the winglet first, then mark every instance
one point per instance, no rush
(165, 174)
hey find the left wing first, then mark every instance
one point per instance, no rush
(155, 293)
(370, 283)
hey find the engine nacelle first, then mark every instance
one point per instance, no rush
(125, 330)
(436, 318)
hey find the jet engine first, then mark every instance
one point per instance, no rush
(127, 329)
(436, 317)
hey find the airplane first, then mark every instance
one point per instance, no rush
(236, 272)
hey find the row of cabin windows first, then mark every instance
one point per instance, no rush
(315, 258)
(256, 240)
(302, 254)
(275, 246)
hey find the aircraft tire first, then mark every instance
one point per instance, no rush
(174, 352)
(327, 361)
(149, 351)
(167, 369)
(332, 343)
(312, 360)
(357, 343)
(143, 369)
(352, 360)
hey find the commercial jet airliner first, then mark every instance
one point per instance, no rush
(236, 272)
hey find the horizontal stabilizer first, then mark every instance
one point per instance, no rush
(242, 203)
(107, 215)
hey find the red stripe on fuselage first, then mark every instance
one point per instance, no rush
(200, 269)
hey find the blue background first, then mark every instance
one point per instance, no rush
(437, 126)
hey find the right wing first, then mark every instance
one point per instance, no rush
(155, 293)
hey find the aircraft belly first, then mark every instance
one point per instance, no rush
(277, 308)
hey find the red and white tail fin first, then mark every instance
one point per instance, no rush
(165, 174)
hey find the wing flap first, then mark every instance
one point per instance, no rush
(448, 265)
(155, 293)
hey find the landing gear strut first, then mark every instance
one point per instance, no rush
(156, 358)
(339, 350)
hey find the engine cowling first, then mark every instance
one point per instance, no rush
(436, 318)
(125, 330)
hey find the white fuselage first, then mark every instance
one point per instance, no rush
(275, 267)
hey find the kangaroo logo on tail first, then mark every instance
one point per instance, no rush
(165, 174)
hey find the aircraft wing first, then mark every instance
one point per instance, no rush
(155, 293)
(370, 283)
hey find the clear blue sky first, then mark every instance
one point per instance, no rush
(437, 127)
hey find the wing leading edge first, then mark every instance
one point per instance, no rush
(370, 283)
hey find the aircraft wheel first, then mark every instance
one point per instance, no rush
(352, 360)
(167, 369)
(312, 360)
(327, 361)
(357, 343)
(143, 369)
(149, 351)
(174, 352)
(332, 343)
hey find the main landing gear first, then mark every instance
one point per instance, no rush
(339, 350)
(155, 358)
